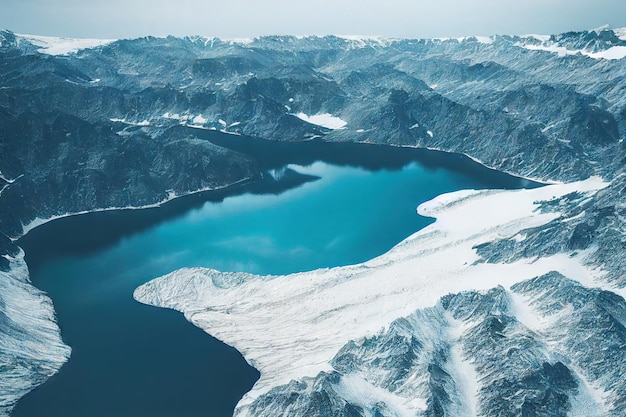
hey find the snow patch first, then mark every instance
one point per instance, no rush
(463, 373)
(360, 392)
(486, 40)
(527, 315)
(620, 33)
(8, 180)
(600, 29)
(591, 401)
(429, 133)
(145, 122)
(174, 116)
(4, 187)
(520, 237)
(540, 38)
(561, 51)
(326, 120)
(362, 41)
(63, 46)
(199, 120)
(188, 120)
(240, 41)
(615, 52)
(553, 125)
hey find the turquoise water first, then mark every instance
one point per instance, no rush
(134, 360)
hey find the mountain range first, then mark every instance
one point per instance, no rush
(527, 320)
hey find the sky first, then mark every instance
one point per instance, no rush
(114, 19)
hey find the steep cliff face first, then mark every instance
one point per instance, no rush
(92, 125)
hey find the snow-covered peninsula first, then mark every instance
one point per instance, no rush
(290, 327)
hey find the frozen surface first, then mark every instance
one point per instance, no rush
(291, 326)
(325, 120)
(63, 46)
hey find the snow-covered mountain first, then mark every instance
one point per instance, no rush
(304, 326)
(524, 317)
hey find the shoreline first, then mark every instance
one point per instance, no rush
(478, 161)
(213, 307)
(40, 222)
(252, 184)
(33, 224)
(231, 143)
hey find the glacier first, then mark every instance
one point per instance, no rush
(291, 327)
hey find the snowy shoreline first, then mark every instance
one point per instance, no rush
(290, 327)
(26, 362)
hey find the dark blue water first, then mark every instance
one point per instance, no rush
(138, 361)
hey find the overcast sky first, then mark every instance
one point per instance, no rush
(247, 18)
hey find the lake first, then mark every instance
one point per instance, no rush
(321, 205)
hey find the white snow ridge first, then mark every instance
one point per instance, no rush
(614, 52)
(63, 46)
(289, 327)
